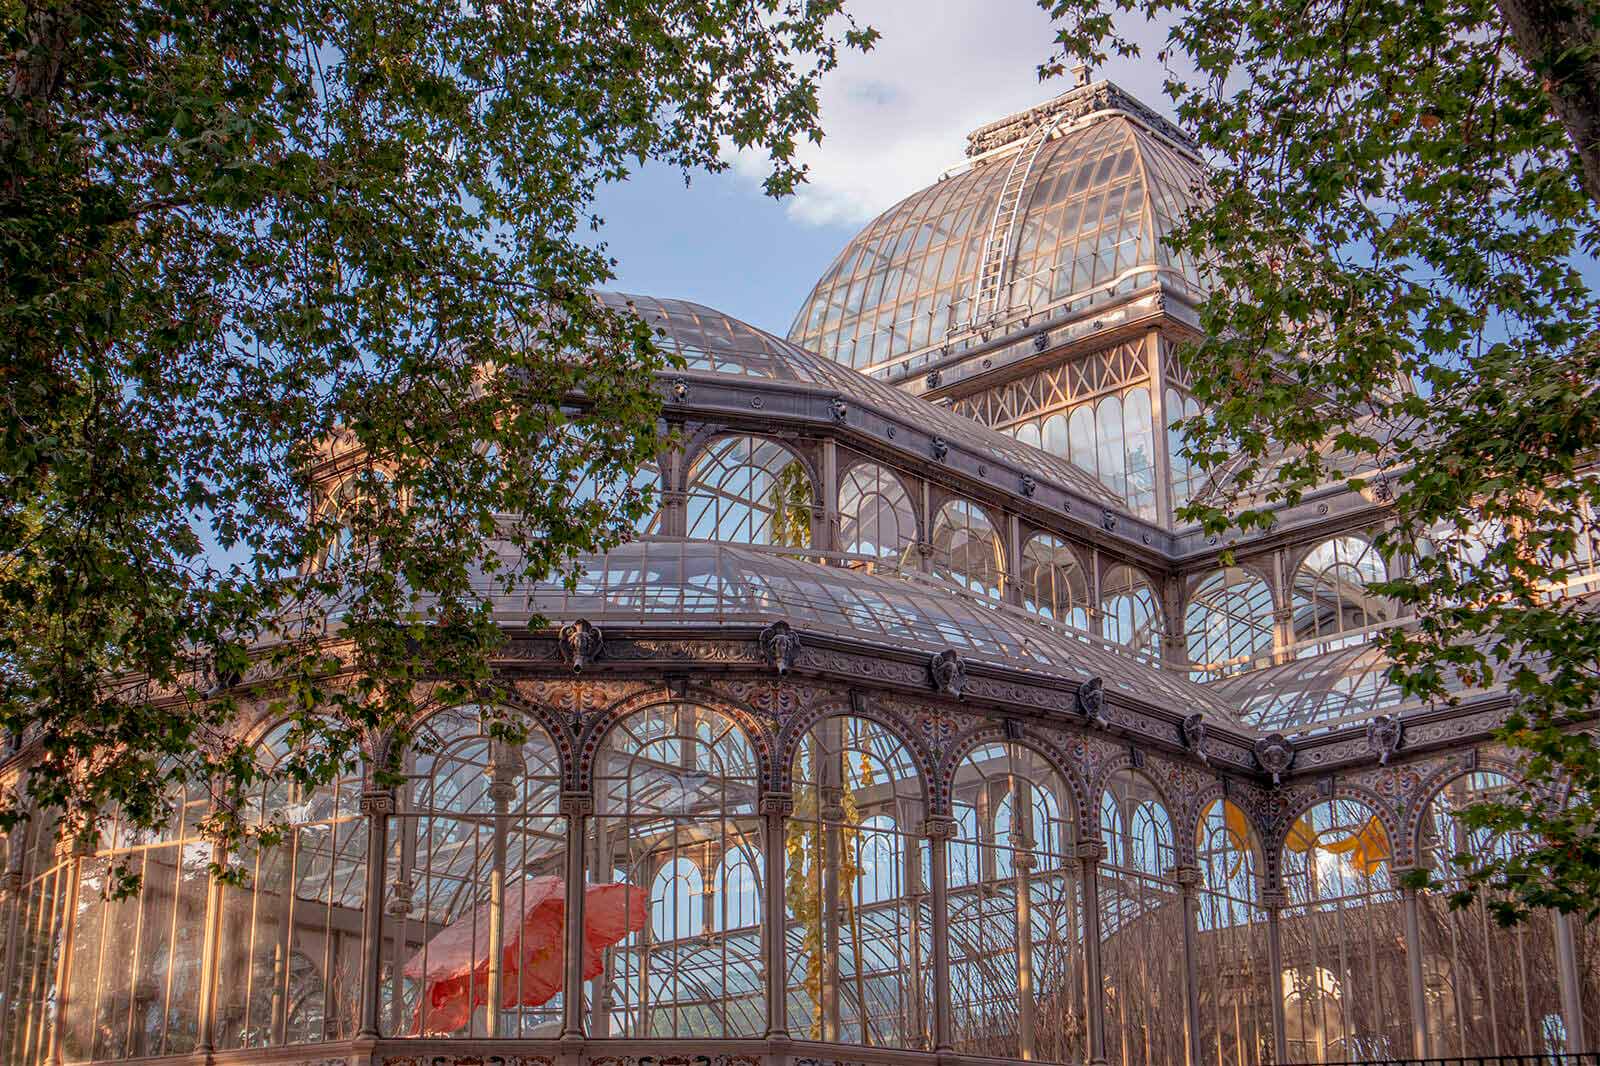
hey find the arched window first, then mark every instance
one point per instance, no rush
(677, 902)
(352, 505)
(1345, 982)
(135, 971)
(1186, 475)
(1053, 582)
(859, 944)
(737, 903)
(966, 548)
(1489, 986)
(289, 955)
(1128, 611)
(472, 812)
(1234, 999)
(875, 513)
(1015, 937)
(1228, 624)
(1330, 594)
(1141, 919)
(676, 792)
(749, 490)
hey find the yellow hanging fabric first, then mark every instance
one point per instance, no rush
(1367, 847)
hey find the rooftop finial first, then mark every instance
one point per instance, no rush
(1080, 74)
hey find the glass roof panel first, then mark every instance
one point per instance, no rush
(649, 581)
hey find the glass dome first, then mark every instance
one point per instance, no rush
(1066, 215)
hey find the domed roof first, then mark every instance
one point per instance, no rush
(1063, 207)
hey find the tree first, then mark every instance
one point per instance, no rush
(1394, 231)
(258, 248)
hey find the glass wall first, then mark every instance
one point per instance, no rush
(134, 986)
(1330, 600)
(1016, 965)
(876, 516)
(859, 923)
(43, 912)
(1112, 438)
(476, 882)
(749, 490)
(966, 548)
(1236, 980)
(677, 789)
(1489, 989)
(1128, 611)
(1187, 476)
(289, 960)
(1344, 980)
(1053, 581)
(1141, 926)
(1228, 623)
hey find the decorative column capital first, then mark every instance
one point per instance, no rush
(1274, 899)
(1187, 877)
(1090, 852)
(939, 827)
(375, 801)
(776, 804)
(11, 883)
(576, 804)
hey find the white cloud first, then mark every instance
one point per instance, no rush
(896, 117)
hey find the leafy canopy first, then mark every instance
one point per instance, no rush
(272, 258)
(1396, 230)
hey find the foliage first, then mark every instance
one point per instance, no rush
(806, 846)
(1394, 233)
(790, 498)
(259, 248)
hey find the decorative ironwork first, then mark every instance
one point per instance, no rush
(1192, 731)
(1091, 701)
(1275, 754)
(781, 646)
(581, 644)
(948, 672)
(1385, 734)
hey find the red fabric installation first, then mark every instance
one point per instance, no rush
(454, 965)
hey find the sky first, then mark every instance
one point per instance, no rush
(894, 119)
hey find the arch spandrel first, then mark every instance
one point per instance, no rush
(1300, 800)
(1444, 772)
(600, 724)
(887, 713)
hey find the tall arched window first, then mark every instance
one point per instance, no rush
(471, 813)
(289, 956)
(1344, 985)
(1234, 997)
(1228, 624)
(737, 901)
(966, 548)
(1490, 987)
(677, 902)
(1015, 924)
(875, 512)
(1186, 475)
(1141, 918)
(677, 789)
(1330, 594)
(859, 933)
(135, 970)
(749, 490)
(1128, 611)
(1053, 582)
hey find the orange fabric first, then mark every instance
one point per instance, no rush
(454, 965)
(1367, 847)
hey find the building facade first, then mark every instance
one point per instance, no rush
(912, 728)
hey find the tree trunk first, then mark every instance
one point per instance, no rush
(1560, 40)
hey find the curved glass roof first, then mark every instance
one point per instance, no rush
(677, 582)
(1317, 693)
(1094, 201)
(712, 342)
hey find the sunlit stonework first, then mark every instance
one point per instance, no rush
(912, 728)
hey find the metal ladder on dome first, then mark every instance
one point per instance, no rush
(997, 249)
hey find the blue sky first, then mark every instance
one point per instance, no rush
(894, 118)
